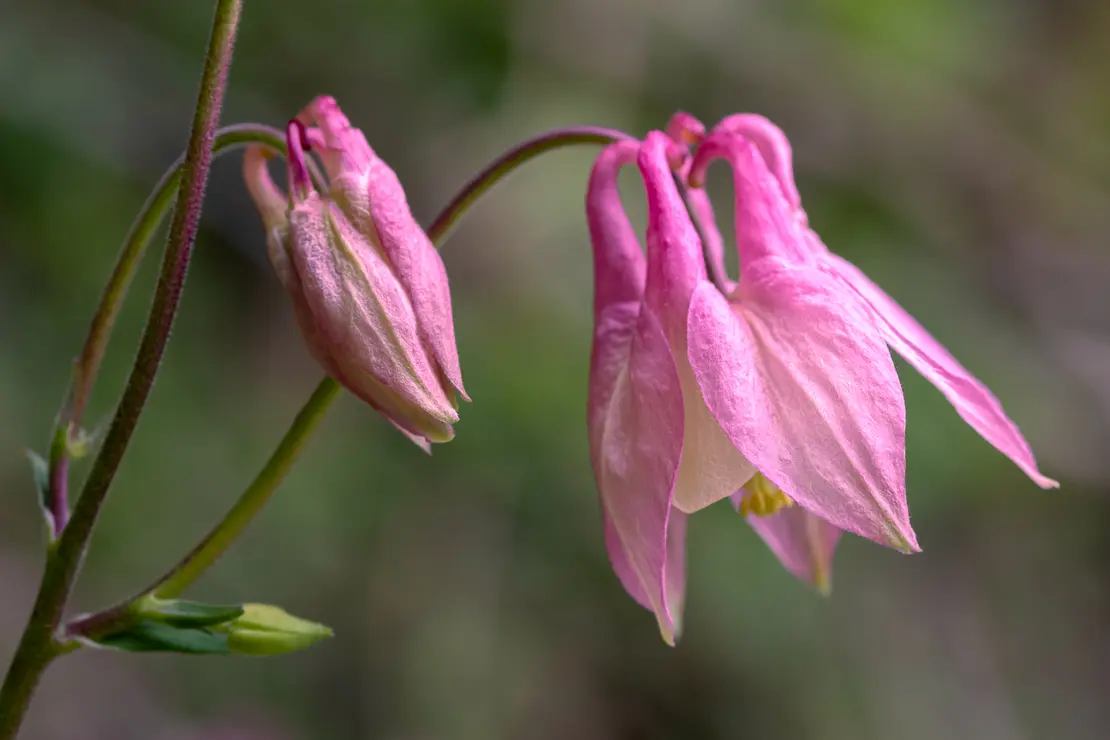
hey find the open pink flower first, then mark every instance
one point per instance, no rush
(781, 393)
(368, 288)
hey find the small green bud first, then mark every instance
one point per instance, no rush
(269, 630)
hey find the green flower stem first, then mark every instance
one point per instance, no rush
(38, 645)
(509, 161)
(111, 300)
(254, 498)
(139, 236)
(258, 493)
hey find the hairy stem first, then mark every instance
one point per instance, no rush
(38, 645)
(167, 295)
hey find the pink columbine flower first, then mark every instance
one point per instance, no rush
(780, 393)
(369, 289)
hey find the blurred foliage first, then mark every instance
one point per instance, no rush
(958, 152)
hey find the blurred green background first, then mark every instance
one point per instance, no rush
(959, 152)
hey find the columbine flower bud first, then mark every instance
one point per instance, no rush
(369, 289)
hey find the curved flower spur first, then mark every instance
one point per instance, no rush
(369, 290)
(779, 392)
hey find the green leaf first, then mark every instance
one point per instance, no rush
(148, 636)
(180, 613)
(40, 469)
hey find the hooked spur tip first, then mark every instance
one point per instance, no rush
(676, 154)
(685, 128)
(334, 126)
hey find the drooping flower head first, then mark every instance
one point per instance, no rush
(369, 290)
(777, 390)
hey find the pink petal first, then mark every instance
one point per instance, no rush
(804, 387)
(675, 262)
(614, 328)
(712, 468)
(417, 439)
(766, 222)
(364, 320)
(619, 263)
(270, 201)
(773, 146)
(635, 409)
(360, 176)
(794, 369)
(676, 564)
(619, 268)
(802, 542)
(639, 449)
(342, 147)
(973, 401)
(685, 128)
(419, 268)
(621, 566)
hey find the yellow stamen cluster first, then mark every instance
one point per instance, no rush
(763, 498)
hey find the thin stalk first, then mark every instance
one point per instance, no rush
(509, 161)
(38, 645)
(134, 248)
(713, 267)
(167, 296)
(254, 497)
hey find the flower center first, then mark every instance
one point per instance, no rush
(762, 498)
